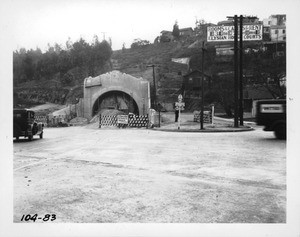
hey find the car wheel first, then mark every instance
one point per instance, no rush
(280, 131)
(30, 137)
(41, 135)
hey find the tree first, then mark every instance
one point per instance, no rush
(79, 53)
(269, 69)
(222, 92)
(67, 78)
(64, 62)
(69, 44)
(175, 31)
(200, 23)
(123, 47)
(34, 65)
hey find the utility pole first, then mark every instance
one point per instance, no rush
(202, 88)
(154, 86)
(236, 82)
(241, 73)
(238, 69)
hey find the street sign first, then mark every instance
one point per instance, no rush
(180, 98)
(179, 106)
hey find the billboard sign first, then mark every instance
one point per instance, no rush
(226, 33)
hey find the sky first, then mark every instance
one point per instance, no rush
(37, 23)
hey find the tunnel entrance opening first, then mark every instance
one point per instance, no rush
(115, 101)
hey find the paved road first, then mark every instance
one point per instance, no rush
(85, 174)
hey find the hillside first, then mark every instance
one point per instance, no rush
(168, 75)
(130, 61)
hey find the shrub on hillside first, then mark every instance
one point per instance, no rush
(67, 78)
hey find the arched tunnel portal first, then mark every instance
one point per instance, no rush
(115, 100)
(115, 90)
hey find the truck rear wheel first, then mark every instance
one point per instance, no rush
(280, 131)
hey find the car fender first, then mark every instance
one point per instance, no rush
(277, 123)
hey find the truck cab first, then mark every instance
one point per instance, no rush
(272, 115)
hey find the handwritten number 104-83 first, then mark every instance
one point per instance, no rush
(35, 217)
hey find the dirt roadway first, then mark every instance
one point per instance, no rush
(87, 175)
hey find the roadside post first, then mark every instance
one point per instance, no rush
(99, 120)
(159, 108)
(180, 106)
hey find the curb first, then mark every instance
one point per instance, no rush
(216, 130)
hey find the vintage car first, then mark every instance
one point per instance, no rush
(25, 124)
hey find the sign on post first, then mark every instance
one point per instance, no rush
(179, 106)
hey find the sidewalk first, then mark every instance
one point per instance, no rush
(188, 125)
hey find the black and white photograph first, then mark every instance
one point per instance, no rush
(149, 118)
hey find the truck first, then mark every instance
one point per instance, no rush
(272, 115)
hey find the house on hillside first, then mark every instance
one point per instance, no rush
(166, 36)
(275, 28)
(275, 20)
(191, 84)
(186, 32)
(275, 34)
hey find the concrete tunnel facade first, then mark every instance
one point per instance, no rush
(96, 88)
